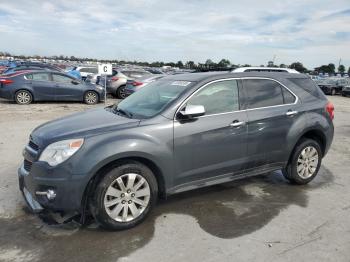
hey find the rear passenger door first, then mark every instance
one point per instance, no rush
(67, 88)
(271, 110)
(42, 86)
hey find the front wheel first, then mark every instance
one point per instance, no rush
(304, 162)
(90, 98)
(125, 196)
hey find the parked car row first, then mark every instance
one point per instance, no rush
(333, 86)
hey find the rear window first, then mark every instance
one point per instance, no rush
(308, 85)
(264, 93)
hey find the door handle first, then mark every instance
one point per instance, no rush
(291, 113)
(237, 123)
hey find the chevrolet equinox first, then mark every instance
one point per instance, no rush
(179, 133)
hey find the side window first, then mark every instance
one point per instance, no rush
(40, 77)
(218, 97)
(29, 76)
(61, 78)
(288, 97)
(262, 93)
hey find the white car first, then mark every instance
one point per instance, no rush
(86, 71)
(265, 69)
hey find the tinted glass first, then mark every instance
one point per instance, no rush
(308, 85)
(262, 93)
(40, 77)
(288, 97)
(218, 97)
(61, 78)
(152, 99)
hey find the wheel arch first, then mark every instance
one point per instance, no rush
(102, 171)
(24, 89)
(314, 134)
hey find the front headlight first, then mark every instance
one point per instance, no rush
(60, 151)
(100, 87)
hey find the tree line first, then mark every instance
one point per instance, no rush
(209, 65)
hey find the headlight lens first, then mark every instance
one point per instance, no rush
(100, 87)
(60, 151)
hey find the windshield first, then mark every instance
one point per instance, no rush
(151, 99)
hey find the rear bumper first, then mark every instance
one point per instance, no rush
(7, 94)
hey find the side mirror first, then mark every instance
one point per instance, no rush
(191, 111)
(75, 82)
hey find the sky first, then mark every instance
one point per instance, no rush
(314, 32)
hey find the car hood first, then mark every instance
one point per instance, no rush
(90, 122)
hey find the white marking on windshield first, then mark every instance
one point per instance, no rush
(180, 83)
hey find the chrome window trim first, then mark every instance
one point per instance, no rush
(237, 78)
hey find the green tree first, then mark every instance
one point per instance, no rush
(190, 64)
(179, 64)
(332, 68)
(298, 66)
(224, 63)
(341, 69)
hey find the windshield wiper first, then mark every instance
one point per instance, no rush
(123, 112)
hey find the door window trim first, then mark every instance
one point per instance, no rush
(240, 110)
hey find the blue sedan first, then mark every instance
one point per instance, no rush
(25, 87)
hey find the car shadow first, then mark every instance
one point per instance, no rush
(225, 211)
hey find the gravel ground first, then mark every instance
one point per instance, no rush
(256, 219)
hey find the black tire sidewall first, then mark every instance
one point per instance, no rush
(119, 91)
(97, 207)
(19, 91)
(292, 168)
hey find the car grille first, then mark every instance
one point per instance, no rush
(32, 145)
(27, 165)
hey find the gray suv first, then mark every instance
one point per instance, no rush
(179, 133)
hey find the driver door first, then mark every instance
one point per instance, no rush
(214, 144)
(67, 88)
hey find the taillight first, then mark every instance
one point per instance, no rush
(136, 83)
(5, 81)
(114, 78)
(330, 109)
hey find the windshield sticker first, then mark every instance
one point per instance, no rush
(180, 83)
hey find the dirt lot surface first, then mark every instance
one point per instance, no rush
(257, 219)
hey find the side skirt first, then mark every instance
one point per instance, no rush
(225, 178)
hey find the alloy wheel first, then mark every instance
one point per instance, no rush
(23, 97)
(127, 197)
(91, 98)
(121, 92)
(307, 162)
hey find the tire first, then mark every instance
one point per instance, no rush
(121, 92)
(333, 92)
(121, 209)
(91, 98)
(23, 97)
(301, 169)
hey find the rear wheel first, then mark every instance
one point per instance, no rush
(125, 196)
(90, 98)
(23, 97)
(304, 163)
(121, 92)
